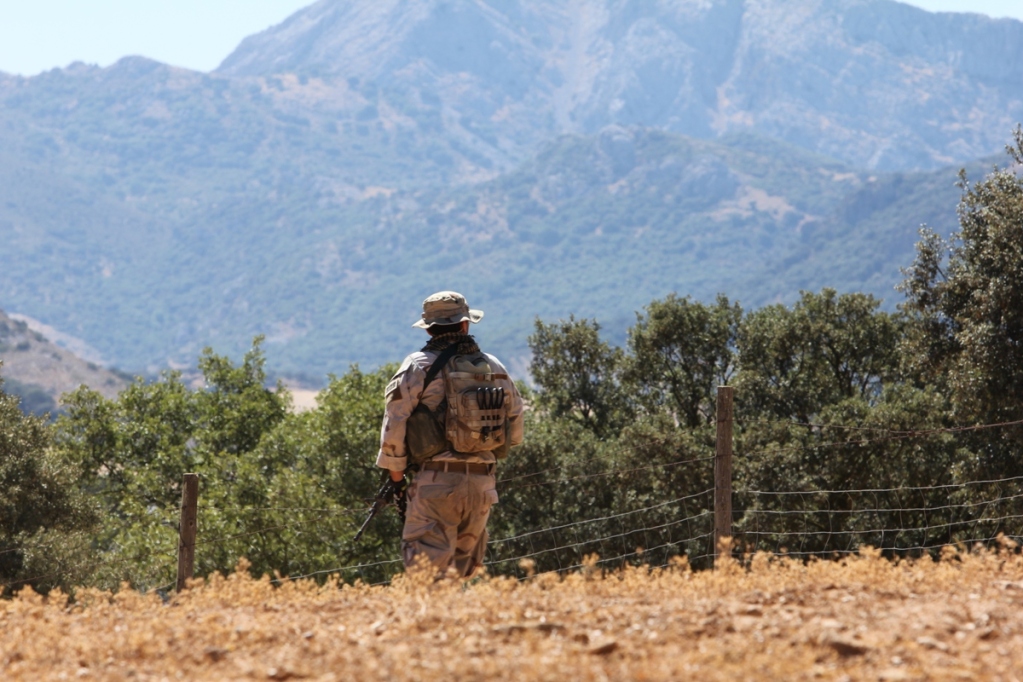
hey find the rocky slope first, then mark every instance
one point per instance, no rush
(876, 83)
(39, 371)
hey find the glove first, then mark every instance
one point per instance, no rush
(390, 490)
(397, 494)
(396, 490)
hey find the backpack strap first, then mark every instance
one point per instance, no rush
(438, 364)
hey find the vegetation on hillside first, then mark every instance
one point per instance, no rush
(302, 260)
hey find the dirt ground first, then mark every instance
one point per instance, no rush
(863, 618)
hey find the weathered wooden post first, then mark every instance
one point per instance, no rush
(723, 470)
(186, 532)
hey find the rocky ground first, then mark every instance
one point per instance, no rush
(861, 618)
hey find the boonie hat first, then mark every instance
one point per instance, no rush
(446, 307)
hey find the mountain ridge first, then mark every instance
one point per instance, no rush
(690, 67)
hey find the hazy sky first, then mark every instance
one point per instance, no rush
(36, 35)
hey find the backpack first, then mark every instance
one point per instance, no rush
(476, 413)
(472, 417)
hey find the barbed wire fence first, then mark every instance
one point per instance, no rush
(823, 523)
(901, 520)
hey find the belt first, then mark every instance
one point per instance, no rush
(460, 467)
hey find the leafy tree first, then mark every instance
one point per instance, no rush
(45, 520)
(860, 456)
(271, 488)
(564, 492)
(680, 351)
(236, 409)
(966, 294)
(579, 375)
(299, 496)
(826, 349)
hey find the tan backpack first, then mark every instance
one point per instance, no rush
(477, 412)
(473, 416)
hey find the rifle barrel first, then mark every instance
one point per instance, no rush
(378, 504)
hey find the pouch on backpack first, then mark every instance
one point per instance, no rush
(476, 406)
(424, 434)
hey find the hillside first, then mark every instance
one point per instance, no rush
(339, 167)
(39, 371)
(596, 226)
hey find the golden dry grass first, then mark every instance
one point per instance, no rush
(861, 618)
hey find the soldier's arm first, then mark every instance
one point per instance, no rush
(515, 415)
(401, 398)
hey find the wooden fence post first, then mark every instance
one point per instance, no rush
(186, 531)
(723, 470)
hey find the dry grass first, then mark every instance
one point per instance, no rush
(861, 618)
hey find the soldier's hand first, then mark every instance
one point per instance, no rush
(396, 490)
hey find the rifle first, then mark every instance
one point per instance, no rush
(390, 491)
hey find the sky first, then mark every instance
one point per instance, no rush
(38, 35)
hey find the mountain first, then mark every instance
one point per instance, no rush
(341, 166)
(39, 371)
(876, 83)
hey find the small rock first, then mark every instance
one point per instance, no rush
(845, 647)
(513, 628)
(931, 643)
(988, 633)
(214, 653)
(604, 648)
(510, 629)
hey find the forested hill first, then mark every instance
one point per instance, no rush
(544, 158)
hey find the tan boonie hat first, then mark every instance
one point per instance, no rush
(446, 307)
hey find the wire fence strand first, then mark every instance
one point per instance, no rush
(613, 472)
(897, 436)
(602, 518)
(598, 540)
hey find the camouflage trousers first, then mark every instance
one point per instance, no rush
(447, 520)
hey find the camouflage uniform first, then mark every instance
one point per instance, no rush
(447, 509)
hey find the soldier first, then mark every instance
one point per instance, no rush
(449, 433)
